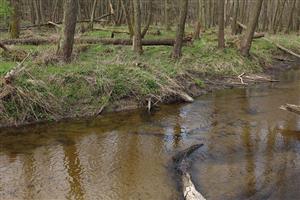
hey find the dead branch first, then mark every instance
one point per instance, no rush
(54, 24)
(272, 42)
(282, 48)
(15, 71)
(183, 165)
(291, 108)
(241, 78)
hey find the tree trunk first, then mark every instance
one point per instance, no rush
(221, 40)
(247, 39)
(288, 27)
(149, 20)
(14, 27)
(167, 16)
(91, 25)
(68, 31)
(265, 16)
(137, 38)
(234, 27)
(128, 18)
(180, 29)
(36, 10)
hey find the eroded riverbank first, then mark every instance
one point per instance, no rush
(251, 150)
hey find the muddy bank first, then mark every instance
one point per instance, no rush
(186, 92)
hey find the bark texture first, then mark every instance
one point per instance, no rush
(180, 30)
(248, 37)
(14, 28)
(137, 38)
(66, 43)
(221, 40)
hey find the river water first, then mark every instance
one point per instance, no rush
(251, 150)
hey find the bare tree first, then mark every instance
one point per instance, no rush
(91, 25)
(137, 38)
(128, 17)
(167, 15)
(248, 37)
(66, 43)
(180, 29)
(14, 27)
(221, 40)
(234, 27)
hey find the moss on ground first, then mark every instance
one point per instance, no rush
(104, 74)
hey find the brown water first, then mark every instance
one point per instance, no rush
(251, 150)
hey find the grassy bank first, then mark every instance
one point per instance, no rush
(114, 78)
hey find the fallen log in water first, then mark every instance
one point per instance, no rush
(183, 165)
(291, 108)
(107, 41)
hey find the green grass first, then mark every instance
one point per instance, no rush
(104, 74)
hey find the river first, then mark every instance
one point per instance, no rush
(251, 150)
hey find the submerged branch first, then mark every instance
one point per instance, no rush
(183, 165)
(291, 108)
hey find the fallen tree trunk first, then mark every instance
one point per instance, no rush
(282, 48)
(2, 46)
(183, 165)
(276, 44)
(256, 34)
(291, 108)
(98, 19)
(112, 31)
(42, 41)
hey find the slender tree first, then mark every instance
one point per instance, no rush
(137, 38)
(167, 15)
(91, 25)
(290, 19)
(128, 17)
(14, 27)
(66, 43)
(221, 40)
(180, 29)
(234, 27)
(248, 37)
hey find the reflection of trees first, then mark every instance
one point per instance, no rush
(73, 166)
(250, 165)
(28, 165)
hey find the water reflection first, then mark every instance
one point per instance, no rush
(251, 150)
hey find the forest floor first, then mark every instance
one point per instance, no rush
(107, 78)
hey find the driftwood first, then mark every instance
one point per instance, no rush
(245, 79)
(183, 165)
(41, 41)
(291, 108)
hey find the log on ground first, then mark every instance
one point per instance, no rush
(42, 41)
